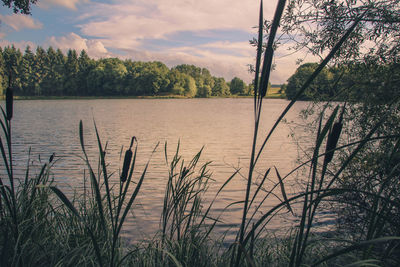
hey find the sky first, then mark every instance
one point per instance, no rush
(213, 34)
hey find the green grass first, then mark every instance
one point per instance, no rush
(274, 92)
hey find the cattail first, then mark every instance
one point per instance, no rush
(9, 100)
(184, 172)
(51, 158)
(127, 162)
(333, 138)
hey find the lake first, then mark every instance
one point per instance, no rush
(223, 126)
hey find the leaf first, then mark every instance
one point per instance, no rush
(65, 200)
(309, 81)
(357, 246)
(283, 191)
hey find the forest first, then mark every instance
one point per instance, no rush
(52, 73)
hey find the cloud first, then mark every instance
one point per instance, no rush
(125, 21)
(19, 45)
(243, 49)
(94, 48)
(136, 26)
(71, 4)
(20, 21)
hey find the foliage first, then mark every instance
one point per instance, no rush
(366, 74)
(237, 86)
(365, 82)
(51, 73)
(20, 6)
(220, 87)
(321, 88)
(318, 25)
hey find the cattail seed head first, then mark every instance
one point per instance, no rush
(51, 158)
(9, 103)
(9, 99)
(127, 162)
(184, 172)
(333, 139)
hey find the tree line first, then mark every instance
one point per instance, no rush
(347, 82)
(52, 73)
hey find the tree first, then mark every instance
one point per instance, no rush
(71, 69)
(85, 66)
(318, 25)
(12, 62)
(320, 89)
(220, 87)
(190, 88)
(95, 79)
(2, 73)
(19, 6)
(52, 83)
(366, 69)
(204, 91)
(237, 86)
(27, 81)
(176, 82)
(40, 70)
(115, 72)
(193, 71)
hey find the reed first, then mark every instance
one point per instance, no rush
(317, 189)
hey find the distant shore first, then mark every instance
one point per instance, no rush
(131, 97)
(273, 93)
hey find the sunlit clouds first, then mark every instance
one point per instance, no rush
(18, 22)
(71, 4)
(94, 48)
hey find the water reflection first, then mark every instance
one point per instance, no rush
(223, 126)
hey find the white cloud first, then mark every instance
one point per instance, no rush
(71, 4)
(20, 21)
(238, 48)
(94, 48)
(125, 21)
(19, 45)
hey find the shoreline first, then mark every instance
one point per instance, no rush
(132, 97)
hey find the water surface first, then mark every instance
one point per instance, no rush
(223, 126)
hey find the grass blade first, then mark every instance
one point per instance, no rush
(65, 200)
(358, 246)
(283, 191)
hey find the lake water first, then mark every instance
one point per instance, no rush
(223, 126)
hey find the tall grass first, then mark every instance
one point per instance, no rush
(41, 226)
(318, 189)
